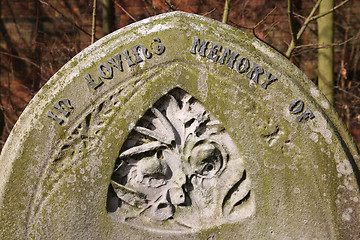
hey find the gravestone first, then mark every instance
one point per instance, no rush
(181, 127)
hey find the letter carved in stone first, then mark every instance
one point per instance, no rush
(179, 165)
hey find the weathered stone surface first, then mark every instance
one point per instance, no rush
(179, 126)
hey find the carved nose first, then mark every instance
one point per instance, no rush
(177, 195)
(179, 179)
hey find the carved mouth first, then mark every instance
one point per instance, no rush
(235, 205)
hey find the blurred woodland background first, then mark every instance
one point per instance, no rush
(39, 36)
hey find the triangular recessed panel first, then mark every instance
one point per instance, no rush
(180, 166)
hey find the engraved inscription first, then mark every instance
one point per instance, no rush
(179, 162)
(106, 71)
(296, 107)
(230, 58)
(63, 106)
(306, 115)
(159, 48)
(138, 54)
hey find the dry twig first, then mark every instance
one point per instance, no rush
(124, 10)
(22, 58)
(347, 92)
(93, 29)
(253, 28)
(309, 19)
(151, 6)
(330, 11)
(207, 13)
(66, 18)
(302, 29)
(170, 5)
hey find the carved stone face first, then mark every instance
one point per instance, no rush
(180, 166)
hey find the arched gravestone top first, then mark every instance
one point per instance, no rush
(179, 126)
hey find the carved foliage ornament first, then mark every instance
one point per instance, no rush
(179, 166)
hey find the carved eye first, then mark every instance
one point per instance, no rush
(210, 166)
(207, 160)
(207, 169)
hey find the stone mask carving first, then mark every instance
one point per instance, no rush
(179, 166)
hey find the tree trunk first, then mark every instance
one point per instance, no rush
(226, 11)
(325, 51)
(107, 16)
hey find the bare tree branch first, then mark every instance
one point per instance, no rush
(151, 6)
(66, 18)
(291, 24)
(302, 29)
(170, 5)
(266, 16)
(309, 19)
(207, 13)
(256, 25)
(317, 46)
(347, 92)
(22, 58)
(299, 16)
(124, 10)
(330, 11)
